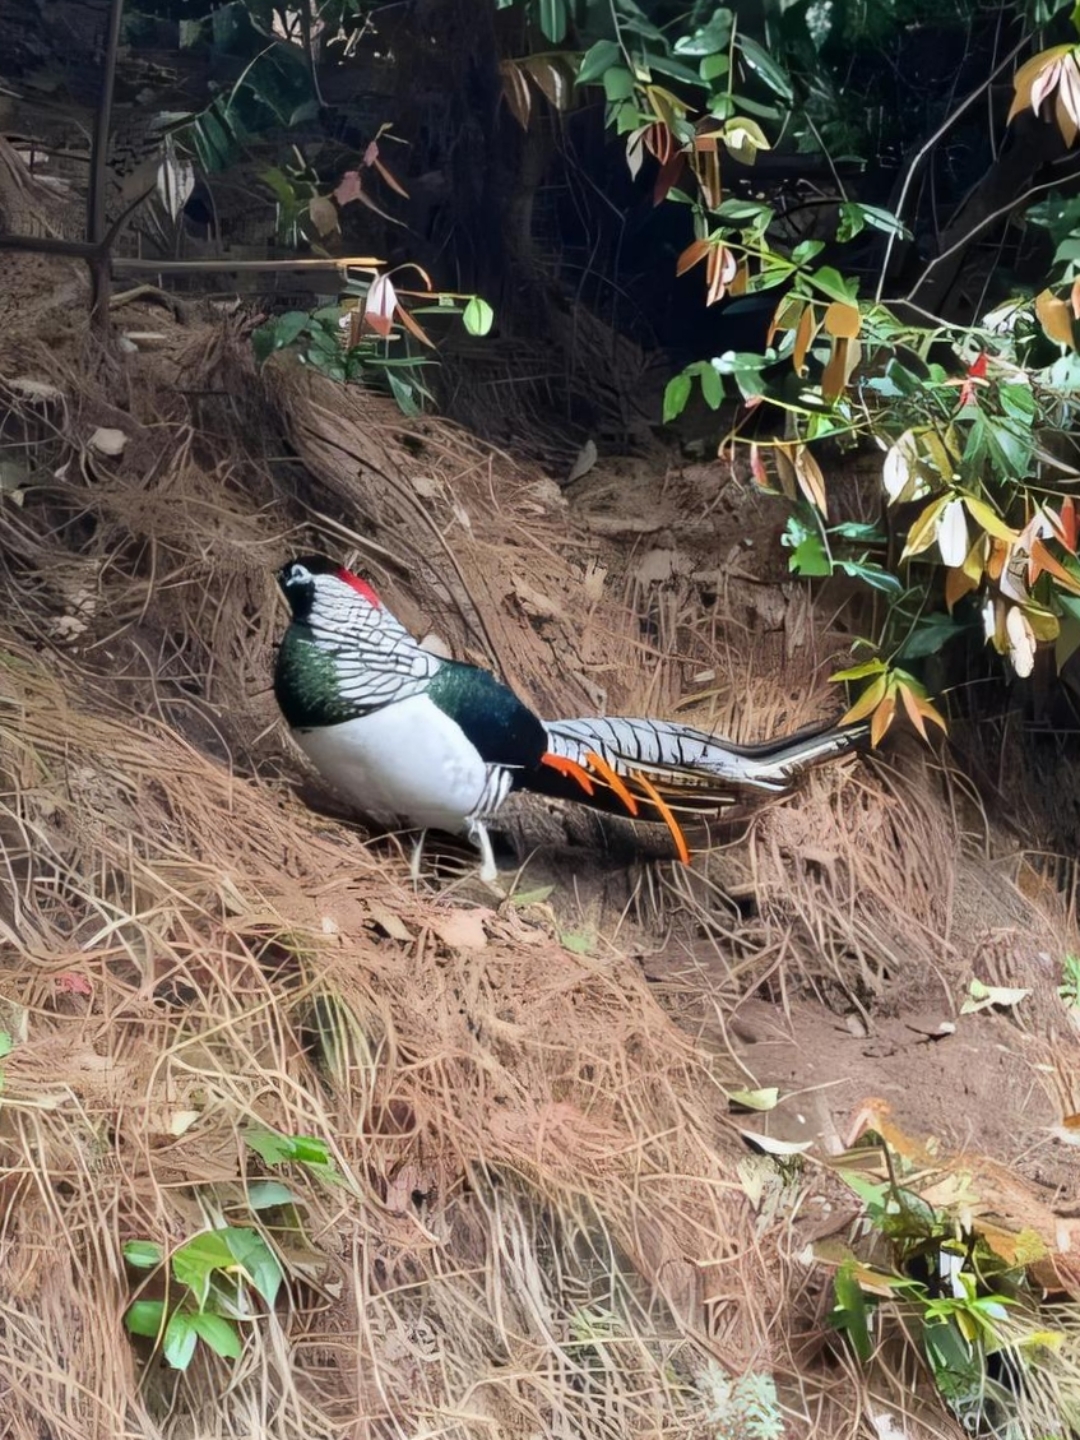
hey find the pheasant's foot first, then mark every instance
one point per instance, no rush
(417, 857)
(489, 871)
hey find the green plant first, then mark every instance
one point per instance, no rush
(213, 1273)
(746, 1408)
(979, 526)
(959, 1288)
(1069, 989)
(351, 341)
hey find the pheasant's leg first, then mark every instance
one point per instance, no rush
(482, 840)
(417, 856)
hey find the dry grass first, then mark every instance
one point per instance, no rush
(543, 1223)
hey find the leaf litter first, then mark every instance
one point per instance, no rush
(539, 1220)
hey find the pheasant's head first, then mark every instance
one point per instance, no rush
(321, 592)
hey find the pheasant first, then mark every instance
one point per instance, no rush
(406, 735)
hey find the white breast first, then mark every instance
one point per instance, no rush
(407, 761)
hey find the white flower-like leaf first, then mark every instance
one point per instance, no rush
(1021, 641)
(898, 471)
(952, 533)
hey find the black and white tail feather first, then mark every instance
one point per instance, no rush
(435, 743)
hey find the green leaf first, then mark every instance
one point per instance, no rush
(532, 897)
(7, 1044)
(708, 40)
(808, 553)
(478, 317)
(676, 394)
(249, 1250)
(266, 1194)
(851, 1310)
(553, 19)
(873, 575)
(144, 1317)
(580, 942)
(830, 282)
(712, 387)
(762, 63)
(275, 1149)
(196, 1261)
(289, 327)
(713, 67)
(143, 1254)
(619, 85)
(860, 672)
(1019, 402)
(664, 65)
(807, 250)
(218, 1332)
(181, 1338)
(404, 394)
(596, 60)
(928, 637)
(852, 222)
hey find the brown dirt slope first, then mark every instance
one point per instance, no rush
(541, 1217)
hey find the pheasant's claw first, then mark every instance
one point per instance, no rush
(566, 766)
(665, 813)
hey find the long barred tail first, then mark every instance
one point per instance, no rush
(655, 768)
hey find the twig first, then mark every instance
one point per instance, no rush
(100, 277)
(924, 150)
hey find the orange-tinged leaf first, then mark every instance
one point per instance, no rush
(1044, 561)
(976, 558)
(811, 480)
(930, 711)
(1054, 318)
(1070, 531)
(912, 710)
(957, 584)
(551, 80)
(989, 519)
(1029, 72)
(923, 532)
(881, 719)
(834, 377)
(804, 337)
(515, 91)
(785, 468)
(720, 267)
(706, 166)
(868, 701)
(669, 175)
(414, 328)
(996, 560)
(659, 142)
(695, 251)
(740, 280)
(786, 316)
(390, 180)
(843, 320)
(667, 108)
(757, 468)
